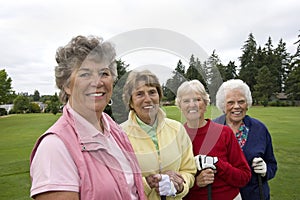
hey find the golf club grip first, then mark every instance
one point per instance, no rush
(163, 197)
(209, 191)
(261, 192)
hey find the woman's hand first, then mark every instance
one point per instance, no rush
(205, 177)
(153, 180)
(177, 180)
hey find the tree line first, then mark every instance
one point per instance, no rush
(268, 70)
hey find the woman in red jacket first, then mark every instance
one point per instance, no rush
(222, 167)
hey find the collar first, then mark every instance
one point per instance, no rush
(145, 126)
(84, 128)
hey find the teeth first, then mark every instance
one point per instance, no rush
(148, 107)
(96, 94)
(236, 113)
(192, 111)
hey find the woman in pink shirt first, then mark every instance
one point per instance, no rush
(85, 154)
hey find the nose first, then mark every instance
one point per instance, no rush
(236, 104)
(147, 97)
(97, 80)
(191, 102)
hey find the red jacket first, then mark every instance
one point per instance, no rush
(233, 171)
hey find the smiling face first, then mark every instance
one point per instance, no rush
(90, 88)
(145, 102)
(193, 107)
(235, 106)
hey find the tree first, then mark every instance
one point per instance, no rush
(5, 87)
(293, 84)
(264, 86)
(172, 84)
(34, 108)
(228, 71)
(283, 60)
(195, 71)
(53, 104)
(213, 76)
(293, 78)
(21, 104)
(274, 67)
(248, 70)
(36, 95)
(117, 110)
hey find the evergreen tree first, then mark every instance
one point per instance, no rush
(264, 86)
(248, 70)
(260, 57)
(283, 60)
(36, 95)
(5, 87)
(228, 71)
(213, 76)
(293, 78)
(195, 71)
(295, 59)
(273, 65)
(172, 84)
(117, 110)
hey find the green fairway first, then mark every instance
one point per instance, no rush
(18, 134)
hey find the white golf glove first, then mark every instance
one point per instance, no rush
(205, 162)
(166, 186)
(259, 166)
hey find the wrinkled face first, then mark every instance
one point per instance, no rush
(145, 102)
(235, 106)
(90, 88)
(192, 106)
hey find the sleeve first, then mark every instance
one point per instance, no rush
(187, 166)
(147, 188)
(235, 171)
(52, 168)
(269, 158)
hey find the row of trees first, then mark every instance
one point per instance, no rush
(267, 71)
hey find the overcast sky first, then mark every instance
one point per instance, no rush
(31, 31)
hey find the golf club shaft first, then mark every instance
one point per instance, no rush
(209, 191)
(261, 192)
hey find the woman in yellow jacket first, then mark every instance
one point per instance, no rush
(162, 146)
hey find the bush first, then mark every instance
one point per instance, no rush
(34, 108)
(3, 111)
(280, 103)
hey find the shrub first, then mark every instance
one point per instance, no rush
(3, 111)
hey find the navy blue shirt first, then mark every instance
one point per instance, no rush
(258, 144)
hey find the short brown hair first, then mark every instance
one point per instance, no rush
(71, 56)
(132, 81)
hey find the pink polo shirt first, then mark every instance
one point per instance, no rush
(54, 169)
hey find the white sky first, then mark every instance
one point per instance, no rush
(32, 30)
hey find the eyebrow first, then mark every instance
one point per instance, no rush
(87, 69)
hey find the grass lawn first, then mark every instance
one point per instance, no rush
(18, 134)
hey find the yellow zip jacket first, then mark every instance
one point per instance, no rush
(175, 151)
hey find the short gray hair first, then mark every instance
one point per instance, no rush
(191, 86)
(233, 84)
(71, 56)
